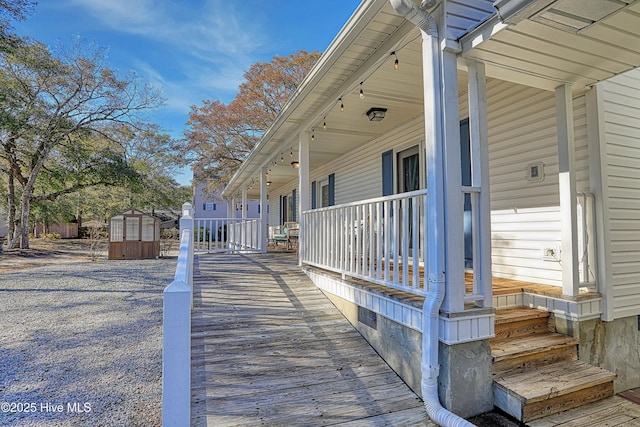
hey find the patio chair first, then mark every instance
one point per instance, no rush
(285, 233)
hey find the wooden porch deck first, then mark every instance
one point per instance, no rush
(268, 348)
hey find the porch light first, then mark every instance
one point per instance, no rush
(268, 183)
(295, 165)
(376, 114)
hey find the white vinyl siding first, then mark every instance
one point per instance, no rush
(622, 187)
(525, 215)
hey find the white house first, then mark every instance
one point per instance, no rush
(210, 206)
(464, 157)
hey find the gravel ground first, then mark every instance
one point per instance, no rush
(81, 344)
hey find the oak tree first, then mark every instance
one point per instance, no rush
(220, 136)
(52, 108)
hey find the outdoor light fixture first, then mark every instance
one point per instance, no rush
(376, 114)
(268, 183)
(295, 165)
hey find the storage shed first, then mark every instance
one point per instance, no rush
(134, 235)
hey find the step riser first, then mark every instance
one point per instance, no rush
(521, 328)
(529, 412)
(530, 361)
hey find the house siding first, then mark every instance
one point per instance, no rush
(525, 215)
(622, 185)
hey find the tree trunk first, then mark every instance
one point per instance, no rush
(11, 201)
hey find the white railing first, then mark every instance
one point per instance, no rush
(176, 354)
(586, 240)
(228, 235)
(381, 240)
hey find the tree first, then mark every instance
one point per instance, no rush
(12, 9)
(221, 136)
(52, 107)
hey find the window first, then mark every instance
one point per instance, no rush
(408, 170)
(323, 194)
(209, 206)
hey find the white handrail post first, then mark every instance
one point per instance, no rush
(186, 223)
(176, 355)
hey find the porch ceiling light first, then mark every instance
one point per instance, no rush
(376, 114)
(295, 165)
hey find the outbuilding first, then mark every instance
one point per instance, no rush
(134, 235)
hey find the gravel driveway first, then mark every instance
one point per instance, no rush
(81, 344)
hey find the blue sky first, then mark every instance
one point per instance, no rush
(192, 49)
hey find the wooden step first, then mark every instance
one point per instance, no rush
(520, 321)
(526, 352)
(551, 389)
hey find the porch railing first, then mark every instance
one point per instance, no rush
(176, 353)
(380, 240)
(228, 235)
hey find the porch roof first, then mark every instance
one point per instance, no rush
(551, 42)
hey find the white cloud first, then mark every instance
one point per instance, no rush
(202, 30)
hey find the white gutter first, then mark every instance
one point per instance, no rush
(435, 212)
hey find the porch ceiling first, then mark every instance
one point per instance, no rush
(581, 42)
(375, 30)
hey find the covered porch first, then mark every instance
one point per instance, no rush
(456, 143)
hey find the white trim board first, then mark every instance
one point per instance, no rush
(454, 329)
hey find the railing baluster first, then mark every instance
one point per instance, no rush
(371, 241)
(415, 230)
(404, 209)
(387, 240)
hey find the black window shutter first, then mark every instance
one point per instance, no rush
(313, 195)
(332, 189)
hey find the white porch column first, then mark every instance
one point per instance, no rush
(479, 137)
(304, 202)
(567, 184)
(454, 200)
(444, 211)
(264, 211)
(244, 202)
(231, 207)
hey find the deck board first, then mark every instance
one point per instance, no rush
(268, 348)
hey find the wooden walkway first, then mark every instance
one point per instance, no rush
(268, 348)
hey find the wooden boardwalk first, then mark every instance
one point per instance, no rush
(268, 348)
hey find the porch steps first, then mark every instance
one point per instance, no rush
(536, 371)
